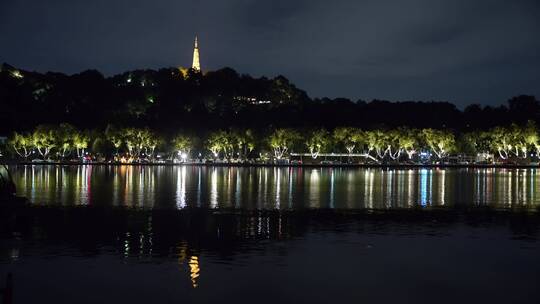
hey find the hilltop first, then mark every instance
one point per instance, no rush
(172, 98)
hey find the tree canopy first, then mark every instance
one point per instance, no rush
(170, 99)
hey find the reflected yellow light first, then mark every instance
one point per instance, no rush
(194, 270)
(277, 182)
(182, 253)
(442, 190)
(181, 188)
(410, 194)
(213, 188)
(314, 189)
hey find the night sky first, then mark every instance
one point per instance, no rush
(463, 51)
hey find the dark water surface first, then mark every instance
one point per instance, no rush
(167, 187)
(98, 234)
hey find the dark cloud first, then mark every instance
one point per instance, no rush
(439, 36)
(462, 51)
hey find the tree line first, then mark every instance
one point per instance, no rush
(168, 99)
(64, 142)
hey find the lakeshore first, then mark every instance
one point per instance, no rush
(295, 165)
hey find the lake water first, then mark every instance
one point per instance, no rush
(167, 187)
(115, 234)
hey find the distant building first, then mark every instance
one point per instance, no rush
(196, 64)
(251, 100)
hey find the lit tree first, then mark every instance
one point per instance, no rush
(22, 144)
(408, 141)
(317, 141)
(182, 144)
(501, 141)
(214, 143)
(130, 138)
(519, 139)
(515, 140)
(115, 136)
(377, 141)
(532, 139)
(281, 140)
(65, 137)
(392, 141)
(150, 142)
(440, 142)
(221, 141)
(136, 140)
(475, 142)
(350, 138)
(81, 139)
(245, 141)
(44, 139)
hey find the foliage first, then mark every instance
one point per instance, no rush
(44, 139)
(349, 137)
(66, 136)
(281, 140)
(377, 141)
(222, 141)
(384, 144)
(440, 142)
(182, 143)
(80, 141)
(140, 141)
(169, 99)
(514, 140)
(474, 142)
(22, 144)
(318, 141)
(409, 141)
(114, 136)
(245, 142)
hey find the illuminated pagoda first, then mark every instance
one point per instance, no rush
(196, 64)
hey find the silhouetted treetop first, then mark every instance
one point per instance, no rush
(171, 98)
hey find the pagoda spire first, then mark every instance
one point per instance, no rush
(196, 64)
